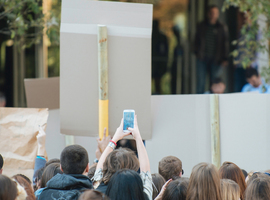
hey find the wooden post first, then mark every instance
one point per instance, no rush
(215, 131)
(103, 80)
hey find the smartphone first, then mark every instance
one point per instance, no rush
(128, 117)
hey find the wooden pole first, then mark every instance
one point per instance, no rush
(103, 80)
(215, 131)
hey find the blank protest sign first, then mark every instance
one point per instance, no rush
(129, 55)
(244, 130)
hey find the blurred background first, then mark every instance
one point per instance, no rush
(29, 43)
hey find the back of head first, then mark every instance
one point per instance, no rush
(1, 163)
(8, 188)
(244, 172)
(26, 185)
(229, 170)
(53, 160)
(258, 188)
(251, 72)
(121, 158)
(49, 172)
(158, 182)
(74, 159)
(125, 184)
(230, 190)
(204, 183)
(92, 171)
(170, 167)
(177, 189)
(93, 195)
(255, 175)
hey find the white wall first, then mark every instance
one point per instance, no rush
(181, 127)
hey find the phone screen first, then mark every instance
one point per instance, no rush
(128, 120)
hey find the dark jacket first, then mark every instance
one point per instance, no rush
(64, 186)
(222, 43)
(102, 187)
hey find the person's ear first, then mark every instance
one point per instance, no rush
(87, 168)
(180, 175)
(61, 168)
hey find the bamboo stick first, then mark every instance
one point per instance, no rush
(103, 80)
(215, 131)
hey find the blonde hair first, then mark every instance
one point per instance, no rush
(204, 183)
(21, 193)
(230, 190)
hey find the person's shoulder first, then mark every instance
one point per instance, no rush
(102, 187)
(246, 88)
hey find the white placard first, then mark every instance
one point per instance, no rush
(129, 53)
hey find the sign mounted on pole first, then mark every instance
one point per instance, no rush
(129, 29)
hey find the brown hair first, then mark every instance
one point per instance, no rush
(255, 175)
(258, 188)
(93, 195)
(26, 185)
(158, 182)
(176, 189)
(50, 171)
(204, 183)
(8, 189)
(231, 171)
(230, 190)
(119, 159)
(170, 167)
(92, 170)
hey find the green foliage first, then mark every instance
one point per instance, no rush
(253, 38)
(25, 22)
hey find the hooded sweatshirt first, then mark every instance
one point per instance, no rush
(65, 186)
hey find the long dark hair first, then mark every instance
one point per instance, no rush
(50, 171)
(177, 189)
(8, 189)
(126, 184)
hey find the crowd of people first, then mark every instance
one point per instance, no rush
(120, 174)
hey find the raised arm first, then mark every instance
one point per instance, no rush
(119, 134)
(142, 153)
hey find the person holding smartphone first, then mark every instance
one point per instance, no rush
(111, 161)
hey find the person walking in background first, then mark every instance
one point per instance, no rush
(211, 48)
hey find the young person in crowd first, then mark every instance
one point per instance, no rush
(230, 190)
(24, 182)
(229, 170)
(177, 189)
(8, 188)
(40, 161)
(49, 172)
(204, 183)
(170, 167)
(93, 195)
(158, 182)
(92, 170)
(254, 175)
(111, 161)
(69, 185)
(258, 188)
(126, 184)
